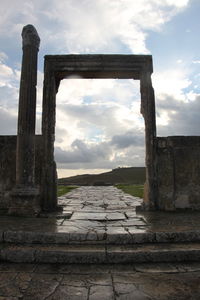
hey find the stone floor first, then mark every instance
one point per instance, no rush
(107, 216)
(100, 282)
(99, 214)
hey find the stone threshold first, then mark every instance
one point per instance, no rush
(101, 237)
(156, 253)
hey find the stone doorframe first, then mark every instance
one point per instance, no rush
(58, 67)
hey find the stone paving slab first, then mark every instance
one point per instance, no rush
(180, 281)
(98, 216)
(101, 215)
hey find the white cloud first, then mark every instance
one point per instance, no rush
(171, 82)
(176, 103)
(3, 57)
(8, 121)
(97, 109)
(104, 117)
(196, 61)
(6, 73)
(92, 26)
(97, 120)
(87, 25)
(177, 3)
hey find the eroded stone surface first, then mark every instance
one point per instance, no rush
(94, 282)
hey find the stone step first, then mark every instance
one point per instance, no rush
(98, 237)
(160, 252)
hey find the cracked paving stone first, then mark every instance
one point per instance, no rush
(44, 284)
(98, 216)
(9, 286)
(23, 280)
(129, 291)
(133, 222)
(102, 292)
(100, 279)
(160, 286)
(83, 224)
(69, 292)
(100, 282)
(116, 230)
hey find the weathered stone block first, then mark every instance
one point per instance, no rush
(71, 254)
(18, 254)
(26, 237)
(8, 166)
(178, 172)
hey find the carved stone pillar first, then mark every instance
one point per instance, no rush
(25, 195)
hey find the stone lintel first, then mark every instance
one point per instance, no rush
(112, 58)
(98, 65)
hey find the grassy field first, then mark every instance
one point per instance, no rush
(63, 189)
(132, 175)
(136, 190)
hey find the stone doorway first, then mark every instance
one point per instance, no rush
(99, 128)
(58, 67)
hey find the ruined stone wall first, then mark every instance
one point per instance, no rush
(8, 166)
(178, 170)
(178, 167)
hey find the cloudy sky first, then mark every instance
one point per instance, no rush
(98, 122)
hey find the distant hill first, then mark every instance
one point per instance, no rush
(133, 175)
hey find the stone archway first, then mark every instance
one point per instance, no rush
(58, 67)
(172, 168)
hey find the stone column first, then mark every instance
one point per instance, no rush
(49, 177)
(25, 195)
(148, 112)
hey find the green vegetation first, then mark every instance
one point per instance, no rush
(64, 189)
(136, 190)
(132, 189)
(132, 175)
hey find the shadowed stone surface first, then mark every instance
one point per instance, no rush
(95, 282)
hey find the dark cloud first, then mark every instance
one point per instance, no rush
(183, 117)
(82, 153)
(128, 139)
(103, 155)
